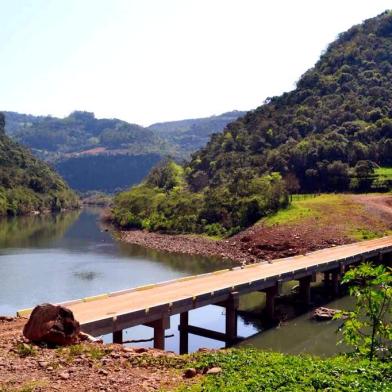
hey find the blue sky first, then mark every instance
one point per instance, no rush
(156, 60)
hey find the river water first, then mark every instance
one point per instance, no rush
(67, 256)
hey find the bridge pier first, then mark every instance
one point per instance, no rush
(159, 327)
(231, 330)
(231, 306)
(118, 337)
(271, 294)
(183, 328)
(335, 282)
(304, 289)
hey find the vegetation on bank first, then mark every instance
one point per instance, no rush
(254, 371)
(332, 133)
(368, 328)
(163, 202)
(27, 184)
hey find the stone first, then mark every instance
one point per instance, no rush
(140, 350)
(322, 313)
(214, 370)
(52, 324)
(64, 375)
(190, 373)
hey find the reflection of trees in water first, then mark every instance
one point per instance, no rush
(39, 230)
(181, 262)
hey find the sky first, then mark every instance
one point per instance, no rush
(147, 61)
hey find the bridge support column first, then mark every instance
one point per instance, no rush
(326, 279)
(159, 331)
(335, 283)
(184, 337)
(304, 289)
(118, 337)
(231, 318)
(271, 294)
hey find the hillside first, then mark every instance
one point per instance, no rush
(189, 135)
(109, 154)
(332, 133)
(26, 183)
(338, 116)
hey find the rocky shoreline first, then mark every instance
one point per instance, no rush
(263, 243)
(188, 244)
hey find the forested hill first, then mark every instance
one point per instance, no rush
(328, 134)
(26, 183)
(81, 133)
(339, 115)
(109, 154)
(189, 135)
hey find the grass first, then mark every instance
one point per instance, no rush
(303, 208)
(385, 172)
(92, 351)
(250, 370)
(25, 350)
(359, 234)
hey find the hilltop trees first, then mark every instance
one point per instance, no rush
(327, 135)
(164, 202)
(27, 184)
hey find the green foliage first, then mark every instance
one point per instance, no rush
(368, 327)
(25, 350)
(50, 137)
(27, 184)
(254, 371)
(165, 203)
(326, 135)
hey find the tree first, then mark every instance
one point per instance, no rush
(368, 327)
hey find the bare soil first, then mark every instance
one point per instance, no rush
(92, 367)
(261, 242)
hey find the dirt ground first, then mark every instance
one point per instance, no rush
(87, 367)
(261, 242)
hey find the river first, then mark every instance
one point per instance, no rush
(54, 258)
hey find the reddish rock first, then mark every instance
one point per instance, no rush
(52, 324)
(322, 313)
(214, 370)
(190, 373)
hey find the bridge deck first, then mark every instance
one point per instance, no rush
(116, 311)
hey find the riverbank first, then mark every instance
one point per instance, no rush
(309, 224)
(112, 367)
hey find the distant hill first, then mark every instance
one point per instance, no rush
(189, 135)
(90, 153)
(26, 183)
(81, 133)
(327, 135)
(108, 154)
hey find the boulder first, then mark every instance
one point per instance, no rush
(322, 313)
(52, 324)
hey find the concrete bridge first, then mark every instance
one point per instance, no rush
(152, 305)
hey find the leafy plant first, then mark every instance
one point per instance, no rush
(368, 327)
